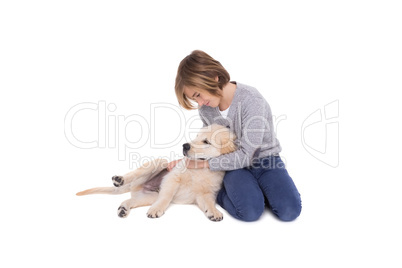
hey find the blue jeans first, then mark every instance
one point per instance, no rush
(245, 191)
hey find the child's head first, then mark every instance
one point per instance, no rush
(201, 72)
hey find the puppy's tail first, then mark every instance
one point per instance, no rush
(106, 190)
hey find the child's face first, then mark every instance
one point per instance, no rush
(201, 97)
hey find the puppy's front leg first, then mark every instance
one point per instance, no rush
(167, 191)
(206, 203)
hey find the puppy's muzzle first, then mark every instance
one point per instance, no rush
(186, 148)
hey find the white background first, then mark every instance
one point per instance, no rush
(302, 55)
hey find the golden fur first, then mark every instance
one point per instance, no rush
(151, 184)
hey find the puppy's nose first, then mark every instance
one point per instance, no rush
(186, 146)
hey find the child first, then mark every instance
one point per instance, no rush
(255, 172)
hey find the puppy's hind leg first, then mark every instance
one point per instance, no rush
(138, 199)
(142, 173)
(125, 179)
(118, 180)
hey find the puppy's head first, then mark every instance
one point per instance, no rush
(211, 141)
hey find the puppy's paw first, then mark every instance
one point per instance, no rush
(214, 215)
(122, 212)
(117, 181)
(155, 212)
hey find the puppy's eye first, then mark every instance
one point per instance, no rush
(206, 141)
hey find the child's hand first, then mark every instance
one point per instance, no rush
(172, 164)
(196, 164)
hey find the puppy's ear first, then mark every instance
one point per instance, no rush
(227, 139)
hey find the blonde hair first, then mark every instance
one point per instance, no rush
(199, 70)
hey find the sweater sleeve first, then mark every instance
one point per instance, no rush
(254, 125)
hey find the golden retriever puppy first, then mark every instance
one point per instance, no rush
(152, 185)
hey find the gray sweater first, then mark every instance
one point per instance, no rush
(250, 118)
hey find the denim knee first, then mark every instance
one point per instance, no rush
(249, 214)
(289, 212)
